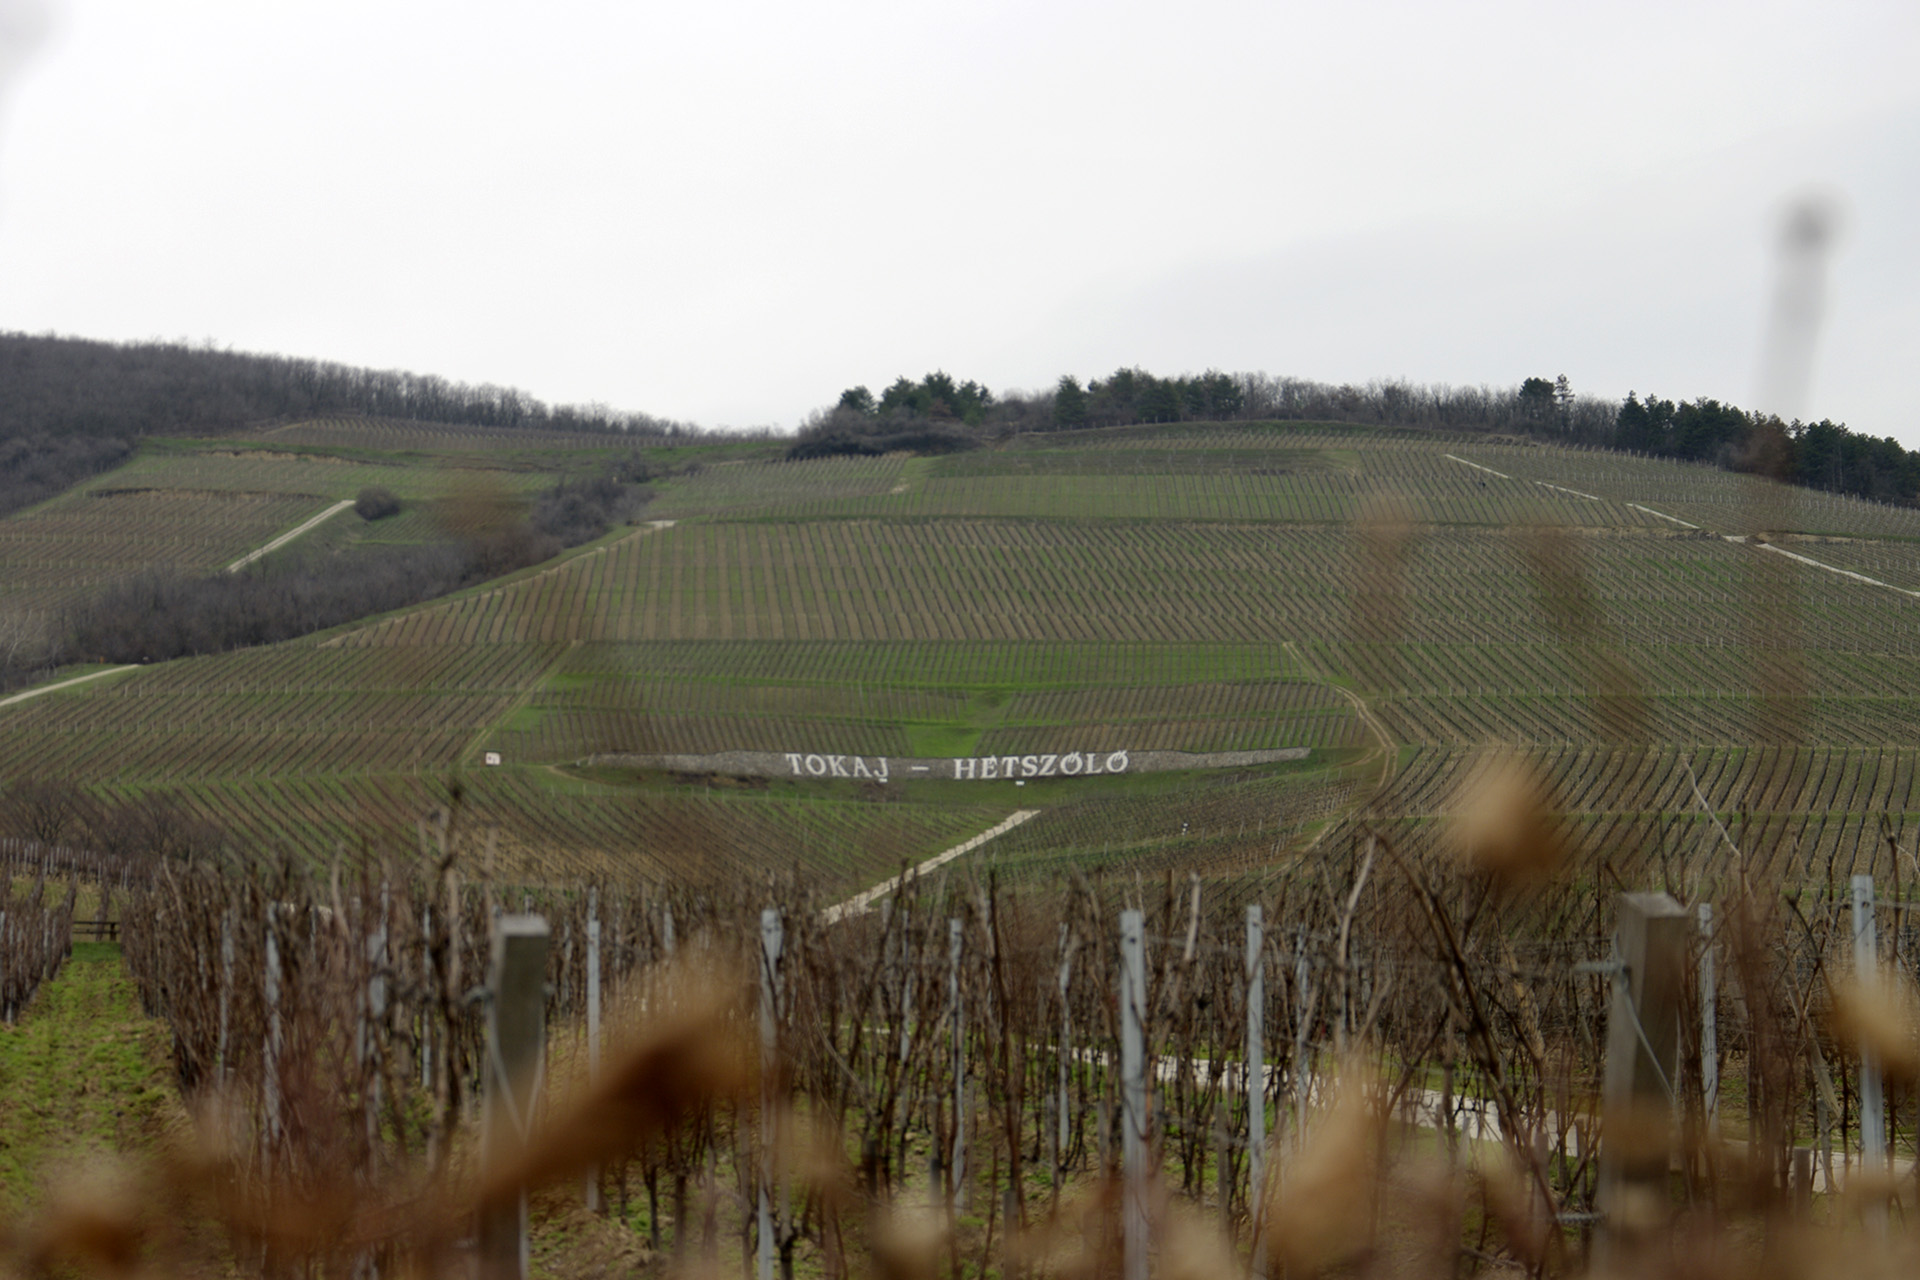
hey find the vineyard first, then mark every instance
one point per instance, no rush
(197, 506)
(1394, 601)
(56, 551)
(960, 1053)
(387, 435)
(1531, 684)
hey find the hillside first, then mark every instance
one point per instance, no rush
(1390, 600)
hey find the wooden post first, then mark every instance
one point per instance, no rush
(593, 1023)
(1133, 1095)
(516, 1047)
(772, 937)
(1643, 1037)
(1873, 1114)
(1709, 1025)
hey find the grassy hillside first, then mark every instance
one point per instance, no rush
(1392, 600)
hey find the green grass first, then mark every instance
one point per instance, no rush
(84, 1074)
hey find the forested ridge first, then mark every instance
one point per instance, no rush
(74, 407)
(939, 415)
(132, 389)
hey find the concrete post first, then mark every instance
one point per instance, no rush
(1133, 1095)
(772, 939)
(1256, 1083)
(516, 1047)
(1709, 1024)
(593, 1024)
(1643, 1038)
(957, 1167)
(1873, 1109)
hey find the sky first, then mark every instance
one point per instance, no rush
(727, 212)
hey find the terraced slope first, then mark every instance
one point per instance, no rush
(1394, 601)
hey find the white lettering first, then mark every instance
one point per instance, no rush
(1093, 762)
(1029, 766)
(882, 763)
(838, 764)
(1009, 765)
(1046, 765)
(860, 769)
(1118, 762)
(990, 767)
(1071, 763)
(817, 766)
(793, 762)
(963, 768)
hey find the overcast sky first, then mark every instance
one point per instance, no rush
(727, 212)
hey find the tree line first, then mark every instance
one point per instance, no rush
(74, 407)
(68, 386)
(939, 415)
(36, 466)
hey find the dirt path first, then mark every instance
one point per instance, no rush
(859, 902)
(290, 535)
(49, 688)
(1385, 745)
(82, 1073)
(1386, 748)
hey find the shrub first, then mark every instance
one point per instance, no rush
(376, 503)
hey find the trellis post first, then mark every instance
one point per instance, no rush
(1256, 1082)
(426, 984)
(1709, 1024)
(1063, 1132)
(772, 938)
(1873, 1115)
(516, 1047)
(957, 1172)
(1133, 1095)
(1643, 1037)
(1303, 1005)
(226, 994)
(593, 1024)
(372, 1024)
(270, 1060)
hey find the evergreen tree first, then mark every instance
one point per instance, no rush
(1069, 404)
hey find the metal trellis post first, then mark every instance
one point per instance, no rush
(1133, 1094)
